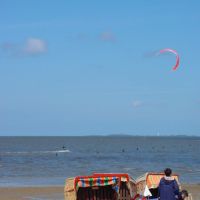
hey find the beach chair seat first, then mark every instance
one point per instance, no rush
(96, 193)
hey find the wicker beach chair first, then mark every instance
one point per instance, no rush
(69, 191)
(100, 187)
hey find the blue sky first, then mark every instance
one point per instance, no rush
(89, 67)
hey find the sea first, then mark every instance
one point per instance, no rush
(48, 161)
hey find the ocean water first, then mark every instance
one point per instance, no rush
(30, 161)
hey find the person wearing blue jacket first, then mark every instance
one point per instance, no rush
(168, 186)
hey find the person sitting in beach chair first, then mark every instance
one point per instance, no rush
(183, 195)
(168, 186)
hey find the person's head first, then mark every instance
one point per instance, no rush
(168, 172)
(184, 194)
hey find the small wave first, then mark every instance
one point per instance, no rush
(57, 151)
(63, 151)
(127, 168)
(34, 152)
(33, 198)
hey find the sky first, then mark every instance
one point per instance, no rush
(91, 67)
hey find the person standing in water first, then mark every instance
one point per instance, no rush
(168, 186)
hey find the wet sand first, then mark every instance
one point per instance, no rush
(57, 193)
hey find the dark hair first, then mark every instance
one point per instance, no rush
(168, 172)
(185, 192)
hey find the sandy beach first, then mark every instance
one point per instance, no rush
(56, 193)
(32, 193)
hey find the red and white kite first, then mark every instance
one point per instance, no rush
(174, 52)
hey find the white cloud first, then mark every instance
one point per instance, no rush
(107, 37)
(137, 103)
(31, 46)
(35, 46)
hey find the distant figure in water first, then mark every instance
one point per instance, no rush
(123, 150)
(168, 187)
(137, 148)
(64, 147)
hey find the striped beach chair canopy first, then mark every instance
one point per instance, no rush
(95, 181)
(122, 177)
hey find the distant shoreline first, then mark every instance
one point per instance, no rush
(111, 135)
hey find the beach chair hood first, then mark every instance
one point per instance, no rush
(150, 181)
(93, 181)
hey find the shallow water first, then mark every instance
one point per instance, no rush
(27, 161)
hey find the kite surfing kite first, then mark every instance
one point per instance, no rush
(174, 52)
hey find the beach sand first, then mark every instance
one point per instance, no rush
(32, 193)
(56, 193)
